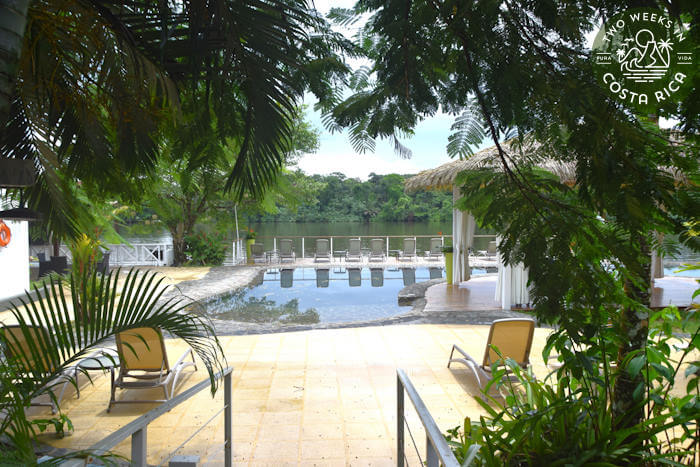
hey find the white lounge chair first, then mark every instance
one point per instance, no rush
(491, 250)
(286, 251)
(435, 252)
(354, 251)
(257, 252)
(409, 250)
(323, 251)
(376, 252)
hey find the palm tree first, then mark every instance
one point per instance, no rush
(140, 301)
(96, 81)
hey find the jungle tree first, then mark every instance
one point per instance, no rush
(88, 92)
(518, 67)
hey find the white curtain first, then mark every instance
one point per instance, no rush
(511, 288)
(462, 239)
(657, 260)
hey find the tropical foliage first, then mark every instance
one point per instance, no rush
(96, 84)
(115, 304)
(337, 198)
(567, 420)
(203, 249)
(193, 169)
(525, 66)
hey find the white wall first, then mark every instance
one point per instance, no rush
(14, 261)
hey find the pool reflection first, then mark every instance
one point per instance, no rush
(377, 277)
(409, 276)
(322, 278)
(286, 278)
(354, 277)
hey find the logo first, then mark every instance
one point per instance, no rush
(644, 59)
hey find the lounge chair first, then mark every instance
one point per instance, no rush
(322, 278)
(512, 337)
(354, 277)
(435, 252)
(286, 278)
(491, 250)
(144, 364)
(354, 251)
(377, 277)
(286, 251)
(376, 252)
(323, 251)
(257, 252)
(409, 276)
(409, 250)
(16, 343)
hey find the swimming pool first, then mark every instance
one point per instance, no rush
(309, 296)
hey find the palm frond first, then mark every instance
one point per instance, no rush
(402, 151)
(90, 316)
(343, 16)
(468, 133)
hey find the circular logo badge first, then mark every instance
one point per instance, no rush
(644, 59)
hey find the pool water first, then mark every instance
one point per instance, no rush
(676, 272)
(308, 296)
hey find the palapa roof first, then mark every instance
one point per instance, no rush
(443, 177)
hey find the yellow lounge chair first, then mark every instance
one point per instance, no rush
(513, 339)
(19, 342)
(144, 364)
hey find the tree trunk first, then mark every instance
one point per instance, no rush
(56, 246)
(14, 15)
(178, 234)
(635, 327)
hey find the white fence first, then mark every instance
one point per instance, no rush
(135, 254)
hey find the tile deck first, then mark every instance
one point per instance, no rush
(319, 397)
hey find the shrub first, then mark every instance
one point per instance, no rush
(203, 249)
(567, 419)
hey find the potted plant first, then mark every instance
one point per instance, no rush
(250, 236)
(447, 250)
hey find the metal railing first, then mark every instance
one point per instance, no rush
(438, 452)
(344, 238)
(138, 428)
(135, 254)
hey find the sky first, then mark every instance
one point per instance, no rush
(428, 143)
(336, 154)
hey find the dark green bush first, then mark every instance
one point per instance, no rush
(567, 419)
(205, 249)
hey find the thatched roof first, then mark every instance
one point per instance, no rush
(443, 177)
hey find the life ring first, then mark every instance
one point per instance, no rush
(5, 234)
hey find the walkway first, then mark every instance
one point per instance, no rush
(320, 397)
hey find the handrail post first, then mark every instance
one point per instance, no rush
(431, 457)
(302, 247)
(399, 422)
(387, 248)
(331, 247)
(138, 447)
(228, 422)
